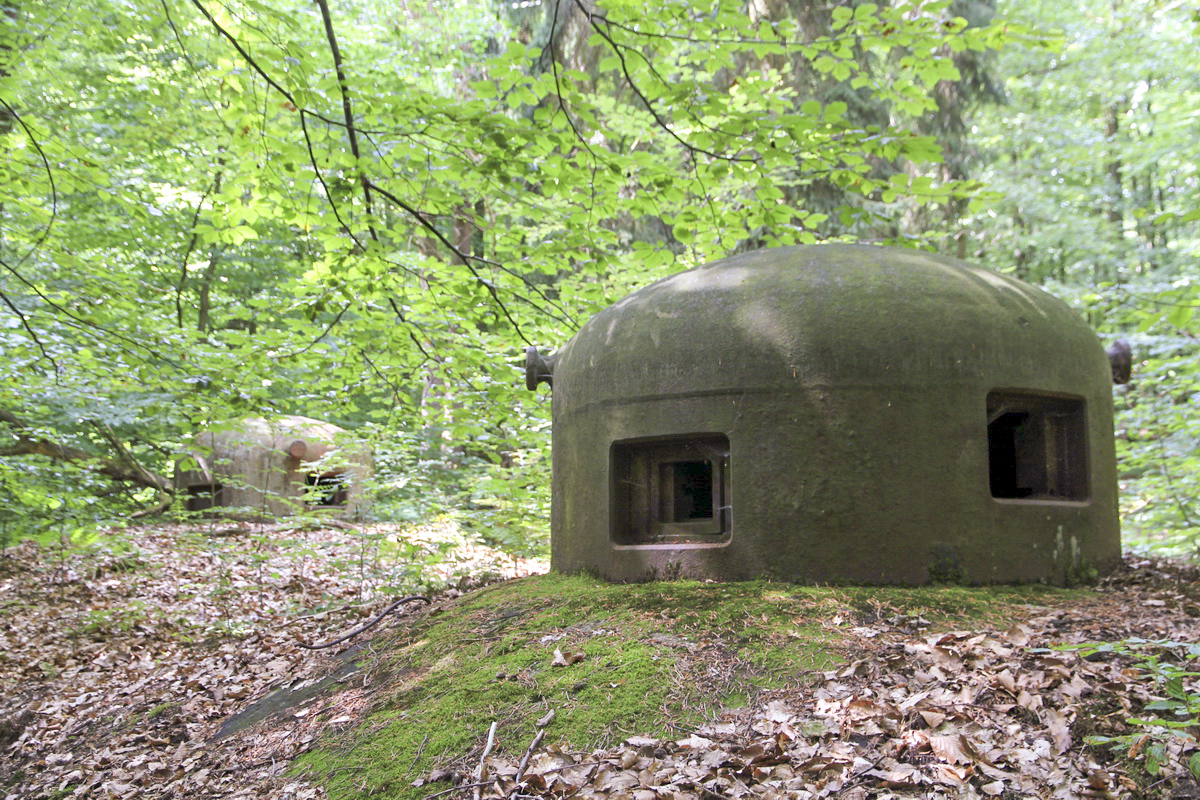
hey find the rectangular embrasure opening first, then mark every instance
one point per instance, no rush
(325, 490)
(1037, 447)
(203, 496)
(670, 490)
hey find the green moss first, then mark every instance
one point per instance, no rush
(944, 564)
(160, 709)
(1081, 574)
(656, 655)
(951, 605)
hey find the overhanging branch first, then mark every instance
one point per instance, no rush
(123, 467)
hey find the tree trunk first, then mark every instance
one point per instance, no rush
(204, 290)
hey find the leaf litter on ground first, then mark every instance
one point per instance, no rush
(118, 666)
(119, 661)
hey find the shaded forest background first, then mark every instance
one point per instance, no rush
(363, 212)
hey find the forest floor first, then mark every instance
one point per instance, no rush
(121, 661)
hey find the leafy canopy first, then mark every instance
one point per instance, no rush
(361, 212)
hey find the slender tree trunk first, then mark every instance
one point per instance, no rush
(1114, 206)
(1113, 169)
(204, 292)
(204, 289)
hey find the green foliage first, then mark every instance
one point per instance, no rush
(1158, 662)
(101, 621)
(211, 212)
(1158, 443)
(1092, 151)
(49, 501)
(1157, 432)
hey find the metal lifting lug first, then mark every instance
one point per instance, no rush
(538, 369)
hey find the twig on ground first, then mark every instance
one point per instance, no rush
(481, 773)
(368, 626)
(550, 771)
(420, 750)
(460, 787)
(524, 765)
(337, 610)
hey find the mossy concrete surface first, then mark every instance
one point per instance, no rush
(656, 658)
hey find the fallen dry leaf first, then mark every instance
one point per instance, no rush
(566, 659)
(914, 714)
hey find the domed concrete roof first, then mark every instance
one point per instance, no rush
(823, 315)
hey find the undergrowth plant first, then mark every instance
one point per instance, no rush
(1175, 718)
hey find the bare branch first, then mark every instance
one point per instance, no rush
(12, 112)
(466, 258)
(347, 111)
(411, 335)
(658, 118)
(32, 333)
(83, 323)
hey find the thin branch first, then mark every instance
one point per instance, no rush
(658, 119)
(396, 393)
(312, 160)
(425, 223)
(367, 184)
(347, 111)
(460, 787)
(367, 626)
(249, 59)
(179, 40)
(558, 88)
(317, 340)
(466, 258)
(411, 335)
(302, 112)
(692, 114)
(32, 333)
(694, 40)
(49, 176)
(83, 323)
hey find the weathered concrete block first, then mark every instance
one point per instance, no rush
(273, 468)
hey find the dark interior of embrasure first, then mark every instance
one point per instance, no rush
(1037, 447)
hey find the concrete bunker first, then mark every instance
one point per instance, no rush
(834, 413)
(276, 467)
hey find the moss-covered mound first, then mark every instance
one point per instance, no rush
(631, 659)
